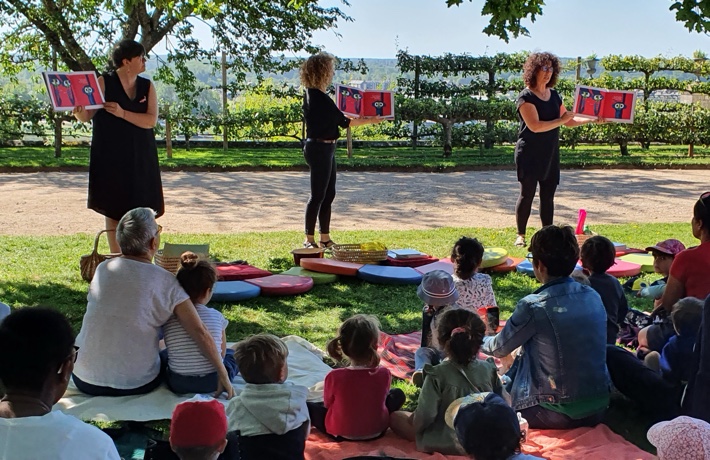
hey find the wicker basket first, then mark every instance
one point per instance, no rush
(89, 262)
(171, 264)
(354, 253)
(581, 238)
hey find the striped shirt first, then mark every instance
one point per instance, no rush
(184, 356)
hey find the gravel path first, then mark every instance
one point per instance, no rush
(55, 203)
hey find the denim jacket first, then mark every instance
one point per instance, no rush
(561, 328)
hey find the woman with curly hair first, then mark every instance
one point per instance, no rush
(322, 119)
(537, 152)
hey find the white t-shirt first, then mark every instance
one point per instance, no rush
(475, 292)
(55, 436)
(128, 302)
(184, 356)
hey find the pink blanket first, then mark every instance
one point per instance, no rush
(581, 443)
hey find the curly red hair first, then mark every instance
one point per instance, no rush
(534, 62)
(316, 71)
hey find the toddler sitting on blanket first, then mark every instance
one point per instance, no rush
(357, 400)
(188, 370)
(598, 255)
(675, 360)
(487, 427)
(269, 418)
(475, 289)
(460, 334)
(439, 294)
(198, 430)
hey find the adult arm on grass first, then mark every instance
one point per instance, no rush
(188, 318)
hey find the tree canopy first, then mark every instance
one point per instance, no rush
(252, 32)
(505, 15)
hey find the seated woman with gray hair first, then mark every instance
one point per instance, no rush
(129, 300)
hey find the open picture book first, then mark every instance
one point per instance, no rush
(610, 104)
(73, 89)
(357, 103)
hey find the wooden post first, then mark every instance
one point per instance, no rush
(168, 133)
(417, 72)
(225, 137)
(349, 137)
(57, 118)
(578, 74)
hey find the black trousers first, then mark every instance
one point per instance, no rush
(646, 387)
(321, 161)
(524, 205)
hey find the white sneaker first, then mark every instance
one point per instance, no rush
(520, 241)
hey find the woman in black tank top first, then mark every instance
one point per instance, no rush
(541, 112)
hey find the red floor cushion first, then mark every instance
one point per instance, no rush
(278, 285)
(334, 267)
(238, 272)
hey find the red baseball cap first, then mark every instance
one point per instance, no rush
(201, 423)
(671, 247)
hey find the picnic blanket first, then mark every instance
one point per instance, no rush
(305, 367)
(581, 443)
(397, 353)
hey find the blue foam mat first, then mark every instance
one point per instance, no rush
(229, 291)
(383, 274)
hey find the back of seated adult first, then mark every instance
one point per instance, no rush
(559, 380)
(129, 301)
(689, 277)
(36, 363)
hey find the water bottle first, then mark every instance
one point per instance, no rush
(523, 427)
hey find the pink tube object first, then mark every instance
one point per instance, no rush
(580, 221)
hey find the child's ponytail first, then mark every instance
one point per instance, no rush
(466, 255)
(357, 340)
(460, 334)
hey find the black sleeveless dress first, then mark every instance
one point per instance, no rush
(123, 167)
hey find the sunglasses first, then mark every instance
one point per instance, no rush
(546, 68)
(529, 256)
(73, 356)
(160, 229)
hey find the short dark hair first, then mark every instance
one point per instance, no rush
(126, 49)
(534, 62)
(686, 316)
(461, 347)
(195, 275)
(35, 342)
(466, 255)
(598, 254)
(260, 358)
(557, 248)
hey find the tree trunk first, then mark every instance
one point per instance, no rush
(624, 147)
(447, 139)
(187, 142)
(489, 136)
(691, 150)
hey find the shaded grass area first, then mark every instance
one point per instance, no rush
(45, 271)
(381, 158)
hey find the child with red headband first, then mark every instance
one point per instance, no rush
(459, 333)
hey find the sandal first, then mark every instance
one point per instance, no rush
(327, 244)
(520, 241)
(310, 245)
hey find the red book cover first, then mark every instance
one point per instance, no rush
(612, 105)
(73, 89)
(357, 103)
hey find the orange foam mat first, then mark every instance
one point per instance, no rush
(334, 267)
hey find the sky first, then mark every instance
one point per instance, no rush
(566, 28)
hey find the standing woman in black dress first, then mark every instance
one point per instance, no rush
(537, 153)
(123, 168)
(323, 118)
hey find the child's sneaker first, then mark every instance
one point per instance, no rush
(418, 378)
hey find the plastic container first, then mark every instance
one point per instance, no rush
(523, 427)
(302, 253)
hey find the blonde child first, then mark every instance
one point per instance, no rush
(188, 370)
(269, 418)
(460, 334)
(357, 399)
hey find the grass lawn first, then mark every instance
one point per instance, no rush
(385, 158)
(45, 271)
